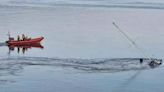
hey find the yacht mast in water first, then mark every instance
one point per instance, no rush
(136, 46)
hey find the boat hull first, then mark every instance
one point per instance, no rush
(26, 42)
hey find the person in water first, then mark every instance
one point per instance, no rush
(141, 60)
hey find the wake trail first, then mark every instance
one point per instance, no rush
(3, 44)
(87, 65)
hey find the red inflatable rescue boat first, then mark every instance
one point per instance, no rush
(25, 42)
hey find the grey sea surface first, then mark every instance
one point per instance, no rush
(83, 51)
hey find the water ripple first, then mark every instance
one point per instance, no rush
(13, 66)
(110, 65)
(139, 4)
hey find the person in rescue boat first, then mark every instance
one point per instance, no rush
(23, 37)
(18, 38)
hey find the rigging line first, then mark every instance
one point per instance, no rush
(133, 42)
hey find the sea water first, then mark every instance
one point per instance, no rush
(83, 51)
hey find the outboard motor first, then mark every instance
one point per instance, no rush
(11, 38)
